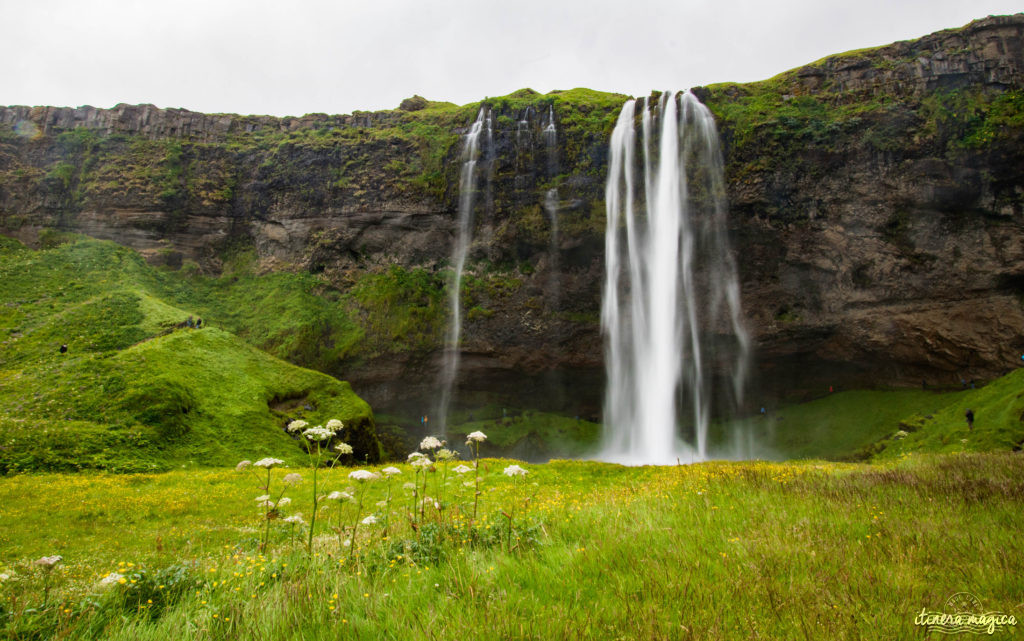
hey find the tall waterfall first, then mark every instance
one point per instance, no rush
(676, 351)
(467, 190)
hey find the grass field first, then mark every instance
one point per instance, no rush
(598, 551)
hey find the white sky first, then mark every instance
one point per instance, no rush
(303, 56)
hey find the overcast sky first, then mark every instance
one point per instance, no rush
(302, 56)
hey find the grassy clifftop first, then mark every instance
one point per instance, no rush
(135, 391)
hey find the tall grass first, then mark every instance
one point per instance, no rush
(708, 551)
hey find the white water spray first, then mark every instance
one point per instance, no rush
(671, 310)
(467, 190)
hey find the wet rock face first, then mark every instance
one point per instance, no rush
(879, 233)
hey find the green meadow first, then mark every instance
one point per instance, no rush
(745, 550)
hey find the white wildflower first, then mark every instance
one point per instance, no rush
(242, 465)
(900, 434)
(514, 470)
(111, 579)
(264, 497)
(283, 502)
(445, 455)
(268, 462)
(430, 443)
(391, 471)
(416, 455)
(362, 475)
(297, 426)
(343, 448)
(409, 486)
(383, 503)
(49, 561)
(370, 520)
(318, 433)
(295, 518)
(292, 479)
(335, 425)
(476, 437)
(267, 504)
(5, 577)
(469, 483)
(339, 496)
(421, 462)
(462, 469)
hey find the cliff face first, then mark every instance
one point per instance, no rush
(877, 209)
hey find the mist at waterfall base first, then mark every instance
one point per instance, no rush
(676, 352)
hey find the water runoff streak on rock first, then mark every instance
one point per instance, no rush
(551, 207)
(676, 351)
(467, 190)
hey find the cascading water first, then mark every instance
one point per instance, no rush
(551, 205)
(671, 310)
(467, 190)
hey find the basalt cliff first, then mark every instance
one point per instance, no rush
(876, 211)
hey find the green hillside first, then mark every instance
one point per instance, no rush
(885, 424)
(135, 391)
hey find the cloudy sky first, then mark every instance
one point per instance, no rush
(336, 56)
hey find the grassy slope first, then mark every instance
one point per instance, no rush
(132, 393)
(708, 551)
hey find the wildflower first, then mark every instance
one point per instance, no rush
(296, 426)
(295, 518)
(265, 497)
(416, 455)
(267, 504)
(430, 443)
(339, 496)
(49, 561)
(478, 437)
(293, 479)
(284, 501)
(318, 433)
(5, 577)
(514, 470)
(243, 465)
(421, 462)
(445, 455)
(409, 486)
(362, 475)
(462, 469)
(343, 448)
(111, 579)
(268, 462)
(900, 434)
(370, 520)
(335, 425)
(391, 471)
(467, 483)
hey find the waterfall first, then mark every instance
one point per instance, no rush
(467, 191)
(551, 206)
(671, 311)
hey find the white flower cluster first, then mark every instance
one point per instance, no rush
(444, 454)
(50, 561)
(370, 520)
(362, 475)
(292, 479)
(416, 455)
(476, 437)
(339, 496)
(111, 579)
(335, 425)
(295, 518)
(391, 471)
(430, 443)
(514, 470)
(296, 426)
(318, 433)
(462, 469)
(343, 448)
(243, 465)
(268, 462)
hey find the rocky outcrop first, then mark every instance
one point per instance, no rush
(877, 211)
